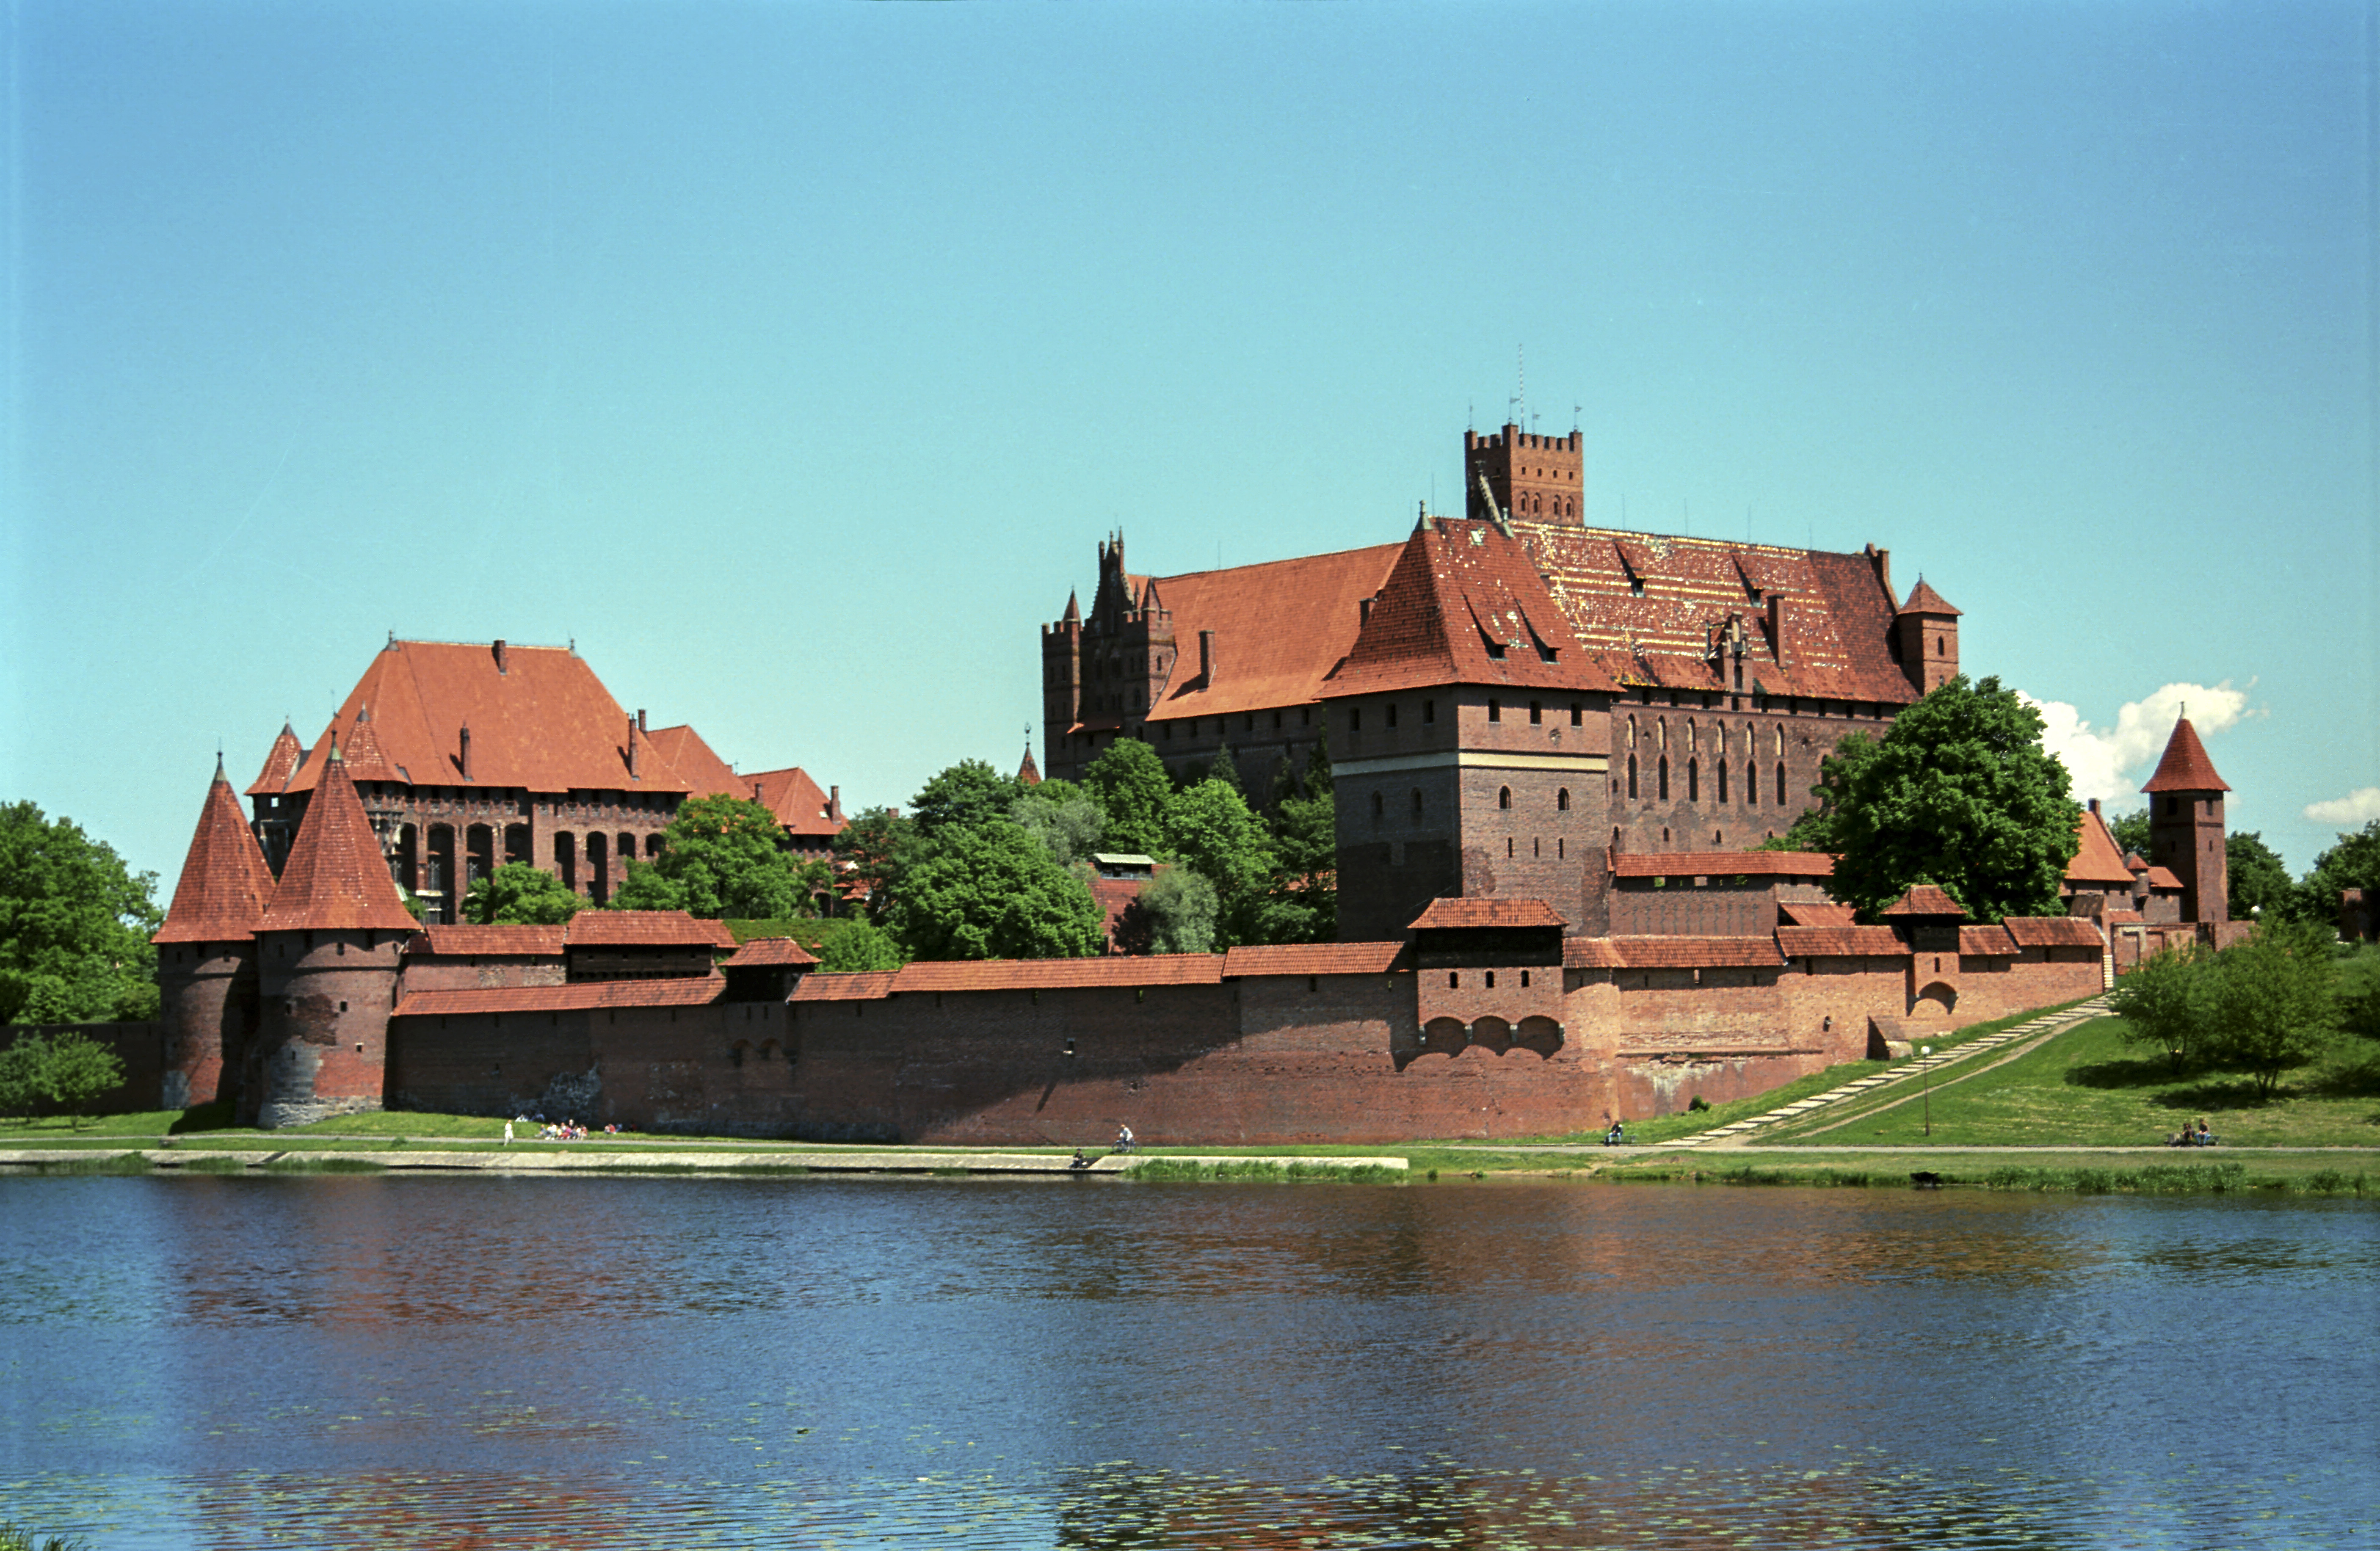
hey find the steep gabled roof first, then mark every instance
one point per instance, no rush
(1280, 628)
(2052, 931)
(2097, 859)
(1925, 898)
(2163, 877)
(2185, 766)
(280, 763)
(692, 764)
(768, 953)
(795, 801)
(1649, 607)
(540, 720)
(335, 877)
(1802, 914)
(1924, 600)
(1466, 605)
(224, 884)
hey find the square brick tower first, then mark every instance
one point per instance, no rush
(1529, 478)
(2186, 825)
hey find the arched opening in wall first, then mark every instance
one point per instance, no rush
(1561, 800)
(1492, 1032)
(654, 845)
(404, 864)
(738, 1053)
(1665, 778)
(1780, 780)
(439, 907)
(1417, 803)
(1937, 1001)
(1443, 1035)
(1377, 809)
(479, 854)
(1693, 780)
(599, 868)
(1751, 785)
(516, 847)
(1539, 1034)
(1504, 797)
(565, 860)
(627, 853)
(1632, 786)
(1722, 781)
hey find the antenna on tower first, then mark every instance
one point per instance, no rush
(1521, 355)
(1577, 413)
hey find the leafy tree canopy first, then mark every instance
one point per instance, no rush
(2162, 1004)
(871, 851)
(1132, 788)
(75, 924)
(962, 796)
(1958, 793)
(2270, 1003)
(724, 856)
(61, 1074)
(1226, 769)
(2353, 863)
(520, 894)
(2131, 831)
(849, 946)
(989, 891)
(1181, 906)
(1063, 817)
(2258, 880)
(1209, 827)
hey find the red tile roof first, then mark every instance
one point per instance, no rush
(1705, 864)
(1028, 773)
(645, 928)
(2163, 877)
(1924, 600)
(2097, 859)
(1696, 952)
(1818, 915)
(1466, 605)
(2184, 766)
(1445, 914)
(1985, 942)
(2052, 931)
(1841, 942)
(692, 764)
(1838, 612)
(688, 991)
(1924, 898)
(1313, 958)
(795, 799)
(1589, 952)
(1279, 629)
(335, 877)
(224, 884)
(1047, 975)
(2124, 918)
(280, 763)
(873, 985)
(766, 951)
(489, 942)
(542, 722)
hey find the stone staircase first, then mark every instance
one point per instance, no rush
(2029, 1029)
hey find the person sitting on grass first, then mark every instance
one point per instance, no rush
(2206, 1137)
(1616, 1135)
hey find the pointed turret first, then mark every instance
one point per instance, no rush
(335, 877)
(1925, 633)
(224, 884)
(2186, 825)
(1074, 615)
(206, 954)
(1028, 773)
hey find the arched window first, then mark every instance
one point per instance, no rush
(1661, 734)
(1751, 785)
(1416, 802)
(1631, 780)
(1693, 780)
(1376, 807)
(1722, 781)
(1504, 797)
(1665, 778)
(1561, 800)
(1632, 738)
(1693, 735)
(1780, 780)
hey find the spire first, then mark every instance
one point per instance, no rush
(280, 764)
(2185, 766)
(1924, 600)
(335, 877)
(225, 883)
(1074, 615)
(1028, 773)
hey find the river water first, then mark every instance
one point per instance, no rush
(393, 1361)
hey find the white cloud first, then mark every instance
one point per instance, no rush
(2110, 762)
(2358, 808)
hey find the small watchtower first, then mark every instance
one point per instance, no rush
(1530, 477)
(1926, 637)
(2186, 825)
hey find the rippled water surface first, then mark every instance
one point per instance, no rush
(391, 1360)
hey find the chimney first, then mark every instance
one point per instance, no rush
(1206, 656)
(835, 804)
(632, 751)
(640, 719)
(2094, 808)
(465, 762)
(1777, 627)
(500, 659)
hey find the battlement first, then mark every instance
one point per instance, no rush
(1541, 478)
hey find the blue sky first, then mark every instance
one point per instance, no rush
(791, 358)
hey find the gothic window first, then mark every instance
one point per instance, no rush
(1665, 778)
(1416, 802)
(1661, 734)
(1721, 767)
(1632, 738)
(1780, 780)
(1561, 800)
(1693, 736)
(1751, 783)
(1508, 846)
(1504, 797)
(1377, 807)
(1693, 780)
(1632, 781)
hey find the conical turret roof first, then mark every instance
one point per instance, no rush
(335, 877)
(224, 884)
(280, 764)
(1028, 773)
(1924, 600)
(2185, 766)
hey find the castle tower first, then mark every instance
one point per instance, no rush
(327, 951)
(276, 816)
(206, 953)
(2186, 825)
(1532, 478)
(1102, 675)
(1925, 636)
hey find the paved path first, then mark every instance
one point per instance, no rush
(596, 1159)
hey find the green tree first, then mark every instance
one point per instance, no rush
(962, 796)
(21, 1076)
(64, 1072)
(1226, 769)
(726, 856)
(872, 852)
(2162, 1002)
(1209, 828)
(75, 924)
(1304, 905)
(1181, 905)
(1132, 788)
(1063, 817)
(519, 894)
(2271, 1003)
(2258, 881)
(2353, 863)
(2131, 832)
(1958, 793)
(1317, 768)
(849, 946)
(989, 891)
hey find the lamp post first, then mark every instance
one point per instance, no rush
(1925, 1087)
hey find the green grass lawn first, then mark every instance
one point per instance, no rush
(2087, 1088)
(2179, 1173)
